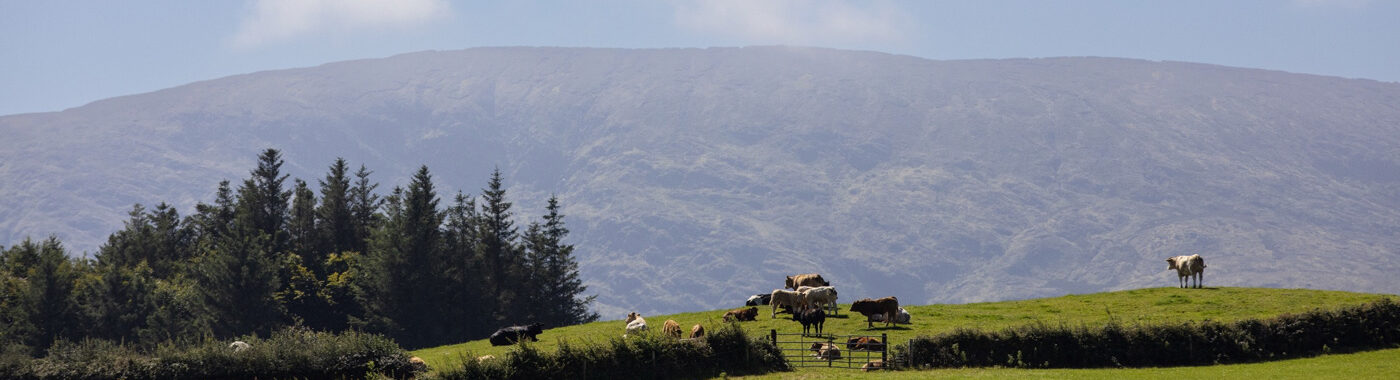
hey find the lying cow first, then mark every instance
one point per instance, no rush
(810, 279)
(1188, 267)
(826, 351)
(514, 334)
(758, 299)
(740, 315)
(902, 317)
(888, 306)
(864, 343)
(635, 324)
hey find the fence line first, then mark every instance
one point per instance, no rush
(797, 347)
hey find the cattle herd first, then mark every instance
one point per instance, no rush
(808, 297)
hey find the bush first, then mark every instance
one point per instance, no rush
(1368, 326)
(289, 353)
(726, 350)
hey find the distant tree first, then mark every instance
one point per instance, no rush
(238, 280)
(364, 209)
(337, 222)
(262, 203)
(45, 309)
(213, 221)
(155, 238)
(406, 254)
(557, 290)
(117, 300)
(462, 271)
(500, 257)
(303, 236)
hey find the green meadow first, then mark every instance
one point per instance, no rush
(1141, 306)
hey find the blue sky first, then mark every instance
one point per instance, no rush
(57, 54)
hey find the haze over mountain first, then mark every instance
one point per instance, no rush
(692, 178)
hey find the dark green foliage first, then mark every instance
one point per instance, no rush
(1369, 326)
(401, 290)
(289, 353)
(238, 280)
(502, 262)
(39, 282)
(648, 356)
(552, 273)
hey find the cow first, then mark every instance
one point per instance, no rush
(514, 334)
(889, 306)
(785, 298)
(1188, 267)
(810, 279)
(671, 329)
(819, 296)
(635, 324)
(864, 343)
(873, 365)
(902, 317)
(758, 299)
(698, 331)
(811, 318)
(826, 351)
(740, 315)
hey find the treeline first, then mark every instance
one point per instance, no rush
(266, 255)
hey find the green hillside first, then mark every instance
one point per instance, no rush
(1154, 305)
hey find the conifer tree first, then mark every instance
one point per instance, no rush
(497, 251)
(407, 253)
(303, 236)
(364, 209)
(337, 223)
(557, 289)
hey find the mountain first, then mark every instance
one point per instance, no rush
(692, 178)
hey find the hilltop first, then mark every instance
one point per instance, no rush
(694, 177)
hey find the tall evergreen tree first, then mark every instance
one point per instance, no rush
(408, 252)
(262, 202)
(303, 236)
(47, 308)
(461, 271)
(213, 221)
(500, 257)
(557, 288)
(337, 223)
(364, 209)
(238, 281)
(154, 237)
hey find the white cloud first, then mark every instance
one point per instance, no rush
(271, 21)
(794, 22)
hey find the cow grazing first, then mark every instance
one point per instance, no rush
(514, 334)
(888, 306)
(864, 343)
(819, 296)
(826, 351)
(785, 298)
(902, 317)
(635, 324)
(810, 279)
(811, 318)
(740, 315)
(698, 331)
(1188, 267)
(758, 299)
(671, 329)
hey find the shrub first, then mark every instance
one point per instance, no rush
(728, 350)
(1368, 326)
(289, 353)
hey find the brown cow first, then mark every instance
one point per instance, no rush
(810, 279)
(671, 329)
(889, 306)
(863, 343)
(740, 315)
(698, 331)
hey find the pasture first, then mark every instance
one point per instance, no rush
(1146, 306)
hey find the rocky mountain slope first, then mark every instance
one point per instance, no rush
(692, 178)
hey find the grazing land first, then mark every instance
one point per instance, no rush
(1145, 306)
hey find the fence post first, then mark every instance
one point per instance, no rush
(773, 336)
(884, 350)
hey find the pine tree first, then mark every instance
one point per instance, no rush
(238, 281)
(407, 253)
(303, 235)
(213, 221)
(498, 253)
(554, 272)
(262, 203)
(337, 223)
(364, 209)
(461, 271)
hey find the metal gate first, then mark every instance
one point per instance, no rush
(800, 351)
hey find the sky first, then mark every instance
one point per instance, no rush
(59, 54)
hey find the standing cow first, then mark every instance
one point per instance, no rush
(1188, 267)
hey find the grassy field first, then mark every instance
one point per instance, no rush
(1147, 306)
(1382, 364)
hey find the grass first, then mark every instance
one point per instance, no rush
(1381, 364)
(1147, 306)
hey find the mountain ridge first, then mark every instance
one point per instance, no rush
(693, 177)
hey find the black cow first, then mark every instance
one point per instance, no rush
(511, 335)
(809, 318)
